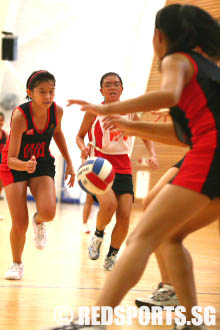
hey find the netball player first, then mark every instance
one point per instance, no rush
(190, 85)
(115, 148)
(27, 162)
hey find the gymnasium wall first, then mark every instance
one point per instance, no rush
(78, 41)
(167, 155)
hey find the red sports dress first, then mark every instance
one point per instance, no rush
(111, 145)
(197, 122)
(34, 142)
(115, 147)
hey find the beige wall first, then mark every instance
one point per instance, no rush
(167, 155)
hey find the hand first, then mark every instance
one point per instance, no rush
(153, 162)
(108, 121)
(31, 165)
(124, 125)
(70, 171)
(84, 153)
(100, 110)
(95, 109)
(79, 102)
(164, 113)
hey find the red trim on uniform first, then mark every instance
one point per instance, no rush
(89, 131)
(195, 66)
(94, 179)
(98, 135)
(111, 176)
(23, 113)
(196, 166)
(55, 109)
(47, 123)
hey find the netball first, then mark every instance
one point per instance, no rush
(96, 175)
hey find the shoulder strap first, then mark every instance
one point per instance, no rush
(25, 108)
(53, 114)
(207, 68)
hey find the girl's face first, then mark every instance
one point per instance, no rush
(43, 94)
(2, 121)
(111, 89)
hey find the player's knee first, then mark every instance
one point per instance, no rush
(20, 228)
(47, 213)
(109, 207)
(123, 221)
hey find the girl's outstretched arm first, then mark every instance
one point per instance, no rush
(176, 72)
(158, 132)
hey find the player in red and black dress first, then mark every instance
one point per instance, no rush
(27, 161)
(3, 139)
(187, 43)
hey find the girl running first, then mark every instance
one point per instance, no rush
(115, 148)
(27, 162)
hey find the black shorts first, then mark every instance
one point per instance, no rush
(179, 163)
(122, 185)
(9, 176)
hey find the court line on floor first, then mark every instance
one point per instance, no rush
(25, 286)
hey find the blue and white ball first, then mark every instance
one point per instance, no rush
(96, 175)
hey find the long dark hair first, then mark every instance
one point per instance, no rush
(188, 26)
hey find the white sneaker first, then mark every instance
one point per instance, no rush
(40, 234)
(94, 247)
(164, 295)
(109, 262)
(15, 272)
(85, 228)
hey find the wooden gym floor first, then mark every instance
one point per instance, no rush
(62, 274)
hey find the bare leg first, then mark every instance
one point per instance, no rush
(16, 194)
(171, 173)
(43, 190)
(87, 208)
(171, 203)
(107, 207)
(123, 212)
(166, 177)
(174, 250)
